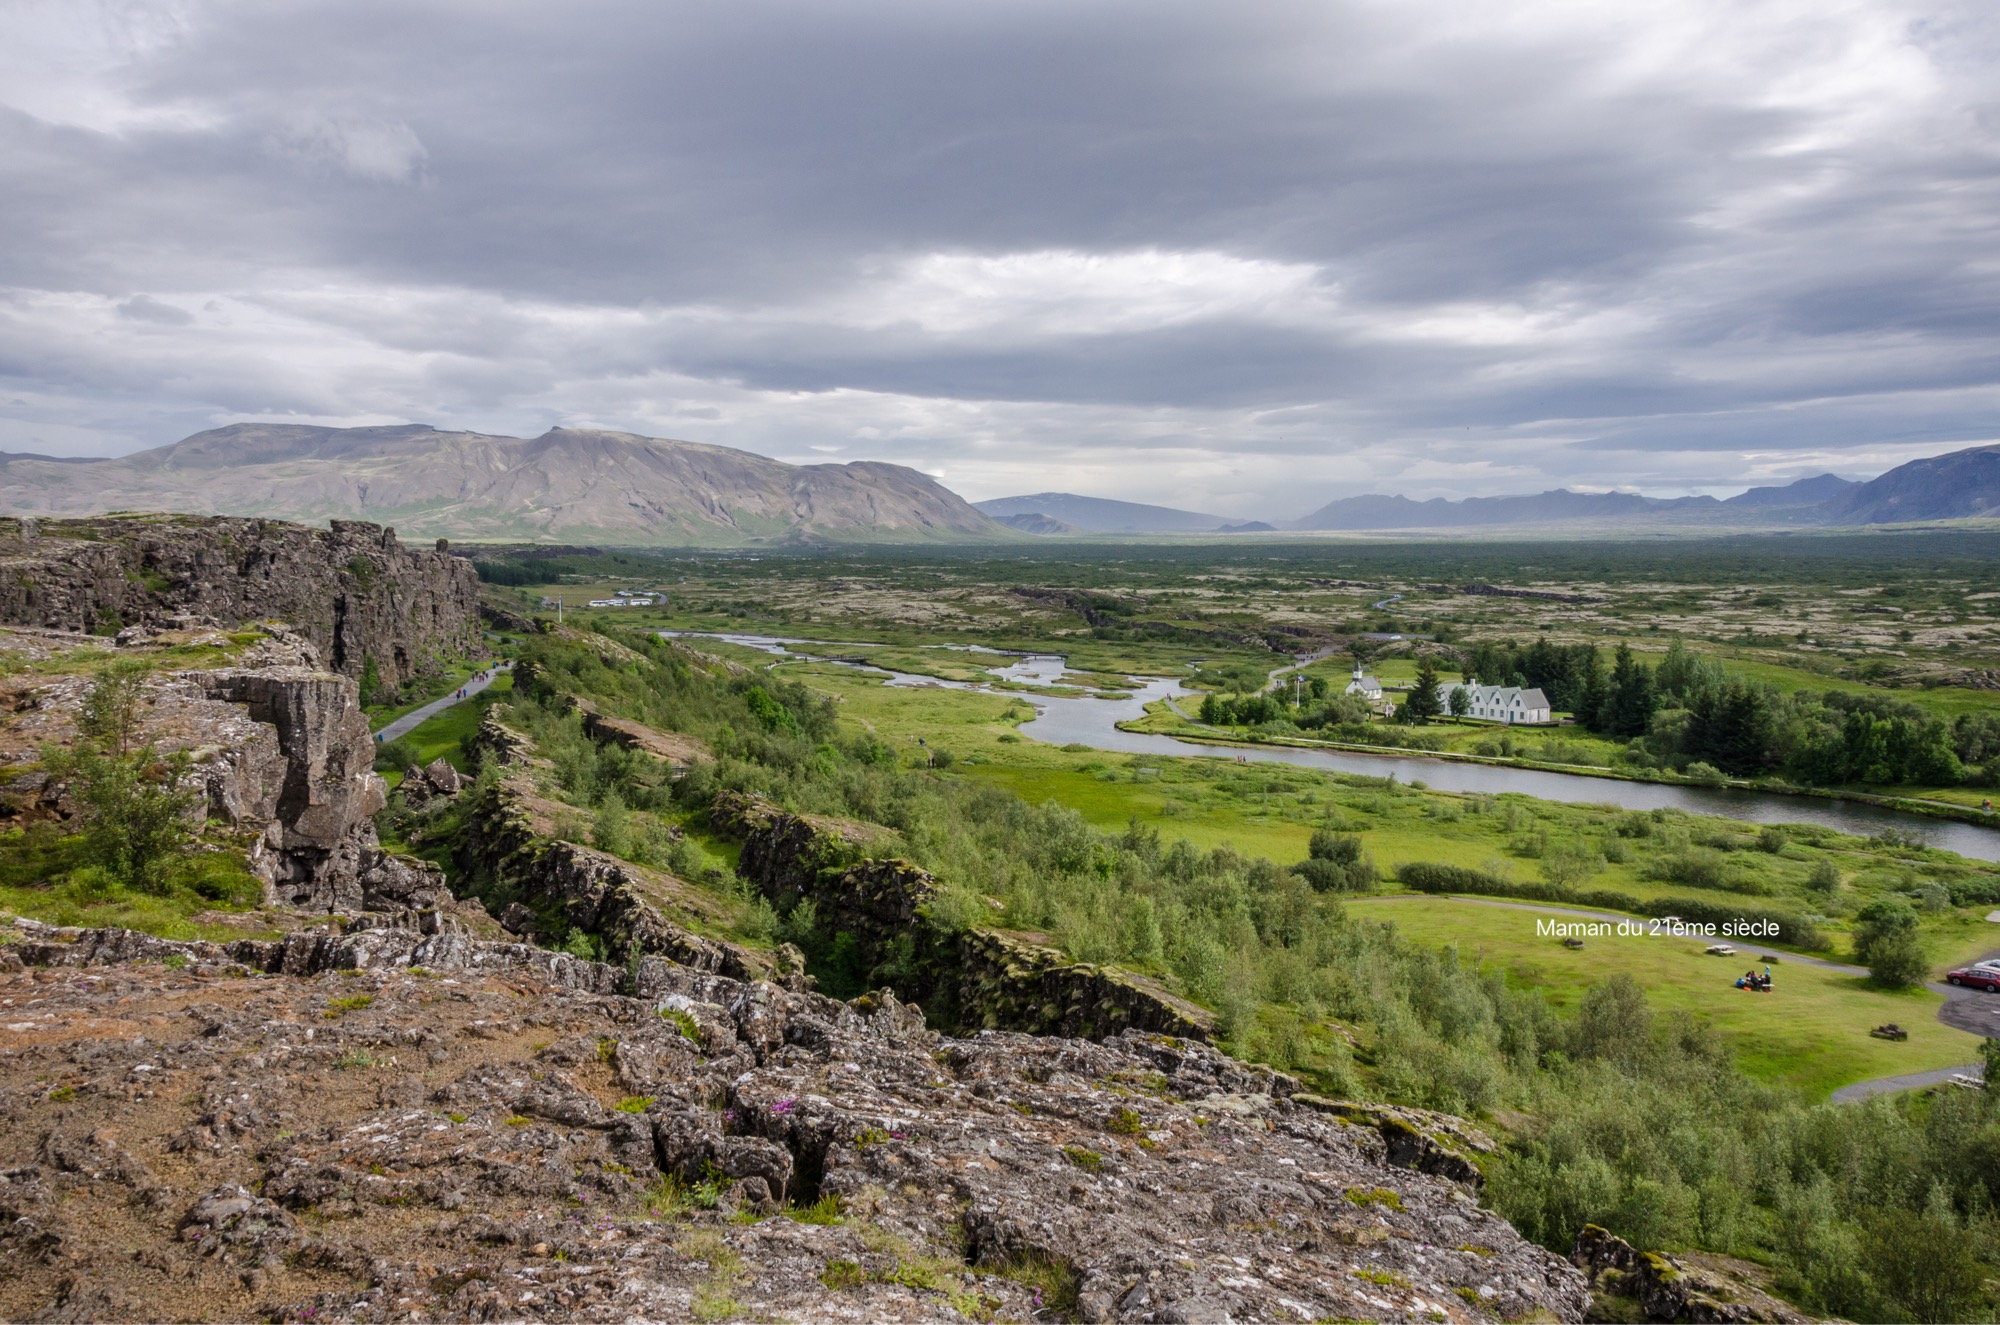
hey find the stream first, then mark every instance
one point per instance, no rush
(1094, 722)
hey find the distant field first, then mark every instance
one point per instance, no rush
(1812, 1032)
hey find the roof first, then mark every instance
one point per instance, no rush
(1503, 697)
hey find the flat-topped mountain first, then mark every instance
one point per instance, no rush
(1096, 515)
(577, 484)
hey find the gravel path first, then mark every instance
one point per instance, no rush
(415, 717)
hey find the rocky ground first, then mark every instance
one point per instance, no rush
(395, 1125)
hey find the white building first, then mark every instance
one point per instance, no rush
(1365, 686)
(1497, 703)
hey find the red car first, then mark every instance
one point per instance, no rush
(1977, 976)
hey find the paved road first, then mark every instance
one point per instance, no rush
(1963, 1009)
(1862, 1090)
(411, 720)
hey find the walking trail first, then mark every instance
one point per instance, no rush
(415, 717)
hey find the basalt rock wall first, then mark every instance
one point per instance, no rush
(279, 749)
(980, 978)
(352, 589)
(509, 858)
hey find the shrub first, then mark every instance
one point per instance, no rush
(1886, 941)
(395, 756)
(136, 809)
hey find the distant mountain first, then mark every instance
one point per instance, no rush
(1960, 485)
(1942, 487)
(1248, 527)
(1101, 515)
(573, 484)
(1559, 506)
(1815, 491)
(1034, 522)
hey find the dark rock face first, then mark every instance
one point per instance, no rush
(978, 979)
(1660, 1288)
(391, 1121)
(352, 590)
(590, 890)
(320, 794)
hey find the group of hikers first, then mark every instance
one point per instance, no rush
(1755, 983)
(476, 676)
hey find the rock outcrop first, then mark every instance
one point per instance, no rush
(280, 750)
(389, 1123)
(355, 592)
(506, 854)
(1648, 1286)
(978, 978)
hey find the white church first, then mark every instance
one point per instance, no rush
(1510, 704)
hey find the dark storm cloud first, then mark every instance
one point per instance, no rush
(1435, 247)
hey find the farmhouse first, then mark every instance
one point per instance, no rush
(1508, 704)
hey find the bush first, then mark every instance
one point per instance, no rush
(1886, 941)
(137, 809)
(395, 756)
(1695, 867)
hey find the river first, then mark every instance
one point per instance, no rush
(1094, 722)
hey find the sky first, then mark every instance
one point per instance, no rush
(1243, 258)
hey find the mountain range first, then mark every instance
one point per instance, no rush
(587, 485)
(569, 484)
(1960, 485)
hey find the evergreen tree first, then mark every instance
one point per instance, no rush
(1887, 943)
(1730, 727)
(1423, 704)
(1629, 699)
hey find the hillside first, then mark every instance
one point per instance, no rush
(1101, 515)
(569, 483)
(1957, 486)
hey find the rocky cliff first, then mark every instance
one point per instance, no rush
(353, 590)
(278, 746)
(977, 978)
(398, 1125)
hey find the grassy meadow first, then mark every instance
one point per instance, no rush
(1811, 1032)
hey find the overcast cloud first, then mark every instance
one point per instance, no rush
(1240, 257)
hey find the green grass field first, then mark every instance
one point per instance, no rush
(1812, 1032)
(1271, 809)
